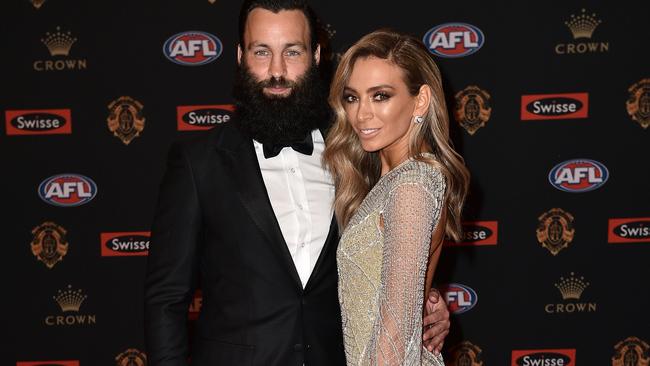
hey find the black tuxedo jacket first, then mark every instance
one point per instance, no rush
(215, 225)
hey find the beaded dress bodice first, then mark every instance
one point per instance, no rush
(382, 262)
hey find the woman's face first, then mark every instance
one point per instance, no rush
(379, 106)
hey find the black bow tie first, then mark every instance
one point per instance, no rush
(304, 147)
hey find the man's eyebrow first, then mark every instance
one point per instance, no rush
(256, 44)
(287, 45)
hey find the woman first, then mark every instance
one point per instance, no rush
(400, 188)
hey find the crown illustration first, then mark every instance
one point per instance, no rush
(330, 30)
(572, 287)
(70, 300)
(583, 25)
(58, 43)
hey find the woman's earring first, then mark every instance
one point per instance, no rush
(418, 119)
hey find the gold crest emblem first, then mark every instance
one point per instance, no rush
(631, 352)
(125, 119)
(555, 230)
(131, 357)
(37, 3)
(49, 244)
(638, 104)
(472, 108)
(464, 354)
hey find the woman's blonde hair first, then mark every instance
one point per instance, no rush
(356, 171)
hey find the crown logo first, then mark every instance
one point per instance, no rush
(583, 25)
(58, 43)
(69, 300)
(330, 30)
(572, 287)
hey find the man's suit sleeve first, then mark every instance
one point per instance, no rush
(172, 263)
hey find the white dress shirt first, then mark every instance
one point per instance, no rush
(301, 193)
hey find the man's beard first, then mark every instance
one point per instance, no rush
(277, 119)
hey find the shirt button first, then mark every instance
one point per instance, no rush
(302, 245)
(300, 206)
(293, 170)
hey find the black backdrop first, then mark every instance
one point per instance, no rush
(535, 282)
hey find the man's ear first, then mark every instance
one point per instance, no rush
(317, 54)
(239, 54)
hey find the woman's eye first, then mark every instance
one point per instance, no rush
(349, 98)
(381, 96)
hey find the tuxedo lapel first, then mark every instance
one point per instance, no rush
(244, 169)
(330, 244)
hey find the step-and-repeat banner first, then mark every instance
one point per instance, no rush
(550, 106)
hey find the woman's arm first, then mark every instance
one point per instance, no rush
(412, 212)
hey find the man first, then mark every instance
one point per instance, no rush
(246, 212)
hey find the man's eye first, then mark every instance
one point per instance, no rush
(381, 96)
(261, 53)
(349, 98)
(293, 53)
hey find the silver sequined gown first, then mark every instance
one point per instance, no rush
(382, 272)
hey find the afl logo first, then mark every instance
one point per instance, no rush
(454, 40)
(459, 298)
(578, 175)
(192, 48)
(67, 190)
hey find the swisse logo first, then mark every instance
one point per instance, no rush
(459, 298)
(125, 244)
(554, 106)
(203, 117)
(630, 230)
(544, 357)
(47, 363)
(38, 122)
(477, 233)
(454, 40)
(67, 190)
(578, 175)
(192, 48)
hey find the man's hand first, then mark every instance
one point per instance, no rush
(436, 322)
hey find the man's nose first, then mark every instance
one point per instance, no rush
(277, 68)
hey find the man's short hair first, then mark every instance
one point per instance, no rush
(276, 6)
